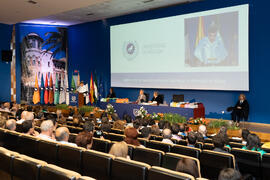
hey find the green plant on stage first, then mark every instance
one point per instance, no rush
(220, 123)
(110, 109)
(62, 106)
(174, 118)
(85, 109)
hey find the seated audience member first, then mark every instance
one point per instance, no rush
(182, 129)
(219, 144)
(167, 125)
(155, 130)
(229, 174)
(146, 132)
(151, 122)
(84, 139)
(192, 138)
(202, 129)
(120, 149)
(137, 124)
(106, 127)
(77, 119)
(223, 133)
(47, 129)
(111, 94)
(2, 122)
(161, 125)
(245, 133)
(254, 144)
(89, 126)
(144, 123)
(175, 131)
(5, 107)
(11, 125)
(119, 125)
(23, 116)
(156, 98)
(141, 98)
(62, 136)
(132, 137)
(167, 135)
(188, 166)
(27, 128)
(199, 137)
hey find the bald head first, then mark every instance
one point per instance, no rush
(11, 125)
(167, 134)
(24, 114)
(62, 134)
(202, 129)
(29, 116)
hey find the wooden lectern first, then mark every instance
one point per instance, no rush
(80, 99)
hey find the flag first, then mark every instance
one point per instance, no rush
(91, 97)
(51, 90)
(87, 94)
(67, 89)
(42, 90)
(73, 86)
(96, 89)
(78, 80)
(36, 96)
(62, 96)
(200, 32)
(46, 93)
(56, 91)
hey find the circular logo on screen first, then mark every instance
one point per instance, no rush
(130, 49)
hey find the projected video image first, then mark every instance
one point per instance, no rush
(212, 40)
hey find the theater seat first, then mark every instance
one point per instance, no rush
(266, 166)
(72, 137)
(143, 141)
(170, 161)
(213, 162)
(150, 156)
(117, 131)
(6, 164)
(28, 145)
(74, 129)
(51, 172)
(208, 140)
(47, 151)
(85, 178)
(123, 169)
(166, 174)
(159, 146)
(156, 138)
(186, 150)
(182, 142)
(69, 157)
(11, 140)
(199, 145)
(236, 145)
(249, 162)
(101, 145)
(115, 137)
(96, 164)
(26, 168)
(208, 146)
(2, 136)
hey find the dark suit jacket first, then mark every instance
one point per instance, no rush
(157, 99)
(244, 106)
(111, 95)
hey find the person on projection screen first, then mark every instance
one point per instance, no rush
(210, 49)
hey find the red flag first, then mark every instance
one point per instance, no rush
(91, 97)
(51, 94)
(46, 93)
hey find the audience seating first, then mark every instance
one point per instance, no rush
(213, 162)
(156, 138)
(47, 151)
(249, 162)
(166, 174)
(101, 168)
(26, 168)
(115, 137)
(182, 142)
(101, 145)
(159, 145)
(72, 137)
(11, 140)
(69, 157)
(6, 157)
(170, 161)
(235, 140)
(266, 150)
(37, 129)
(208, 140)
(199, 145)
(131, 150)
(143, 141)
(186, 150)
(117, 131)
(208, 146)
(73, 129)
(236, 145)
(266, 166)
(51, 172)
(2, 136)
(150, 156)
(123, 169)
(28, 145)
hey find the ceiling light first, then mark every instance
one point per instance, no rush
(32, 2)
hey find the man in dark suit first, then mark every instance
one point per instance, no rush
(240, 110)
(157, 98)
(111, 94)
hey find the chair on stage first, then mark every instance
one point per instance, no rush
(178, 98)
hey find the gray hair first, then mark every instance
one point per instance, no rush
(11, 124)
(46, 126)
(29, 116)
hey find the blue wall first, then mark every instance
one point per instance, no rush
(5, 37)
(89, 49)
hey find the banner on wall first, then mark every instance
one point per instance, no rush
(43, 54)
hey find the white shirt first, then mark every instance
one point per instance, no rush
(167, 141)
(68, 143)
(20, 121)
(45, 137)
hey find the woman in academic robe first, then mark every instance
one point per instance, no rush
(240, 110)
(111, 94)
(156, 98)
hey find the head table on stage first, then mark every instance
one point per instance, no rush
(131, 109)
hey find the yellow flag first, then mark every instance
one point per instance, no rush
(78, 81)
(36, 96)
(200, 32)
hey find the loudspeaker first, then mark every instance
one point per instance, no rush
(6, 55)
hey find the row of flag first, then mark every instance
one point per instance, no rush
(59, 94)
